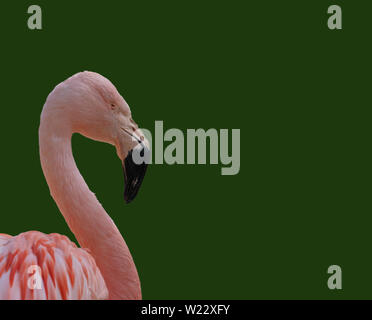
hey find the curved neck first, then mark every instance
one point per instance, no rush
(85, 216)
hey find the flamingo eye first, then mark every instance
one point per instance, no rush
(113, 106)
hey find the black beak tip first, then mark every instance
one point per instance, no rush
(127, 200)
(133, 173)
(127, 197)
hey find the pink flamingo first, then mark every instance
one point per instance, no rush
(103, 268)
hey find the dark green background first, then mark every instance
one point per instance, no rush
(300, 94)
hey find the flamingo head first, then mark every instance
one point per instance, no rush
(96, 110)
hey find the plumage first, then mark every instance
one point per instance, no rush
(67, 272)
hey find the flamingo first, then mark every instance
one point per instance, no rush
(102, 268)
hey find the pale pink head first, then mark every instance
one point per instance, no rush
(89, 104)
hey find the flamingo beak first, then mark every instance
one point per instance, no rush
(133, 173)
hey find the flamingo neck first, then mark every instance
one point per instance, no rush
(87, 219)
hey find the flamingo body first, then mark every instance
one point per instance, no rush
(103, 268)
(66, 271)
